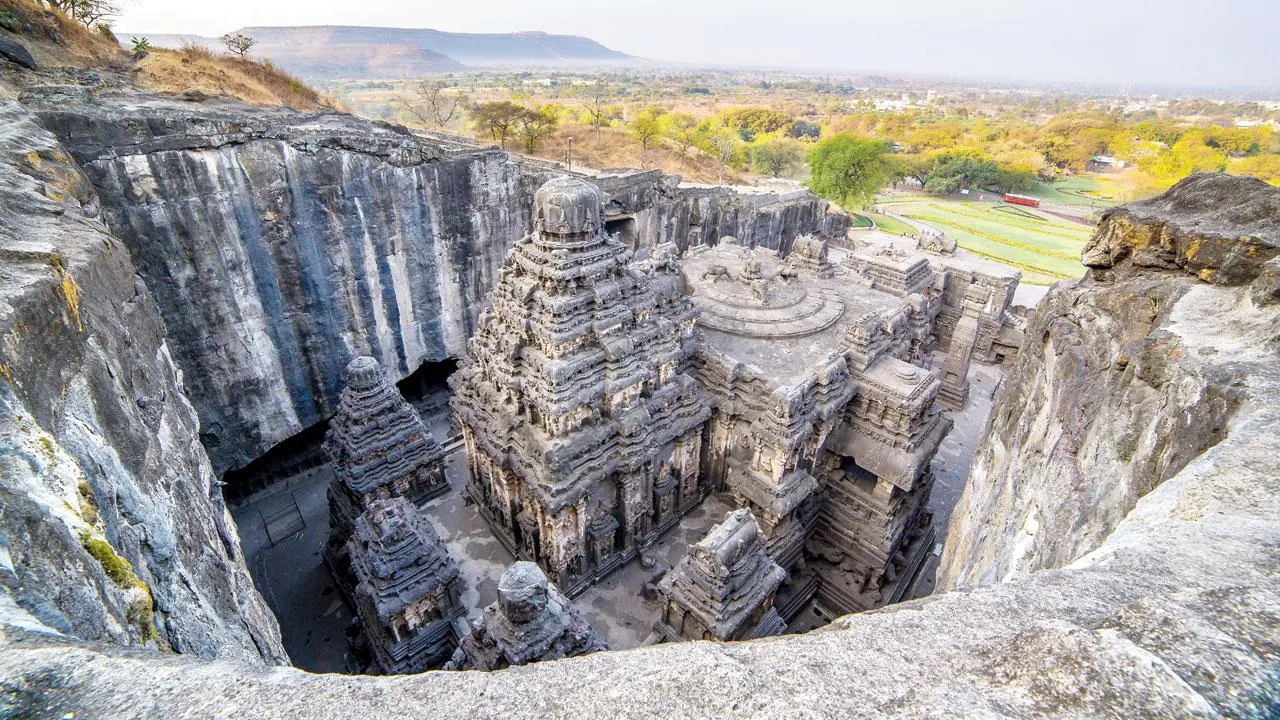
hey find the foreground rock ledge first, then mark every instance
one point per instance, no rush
(1174, 614)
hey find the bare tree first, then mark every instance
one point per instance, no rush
(88, 12)
(724, 146)
(432, 104)
(238, 43)
(596, 97)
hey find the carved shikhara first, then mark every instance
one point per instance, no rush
(581, 423)
(378, 447)
(407, 588)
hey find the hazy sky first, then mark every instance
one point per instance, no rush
(1182, 42)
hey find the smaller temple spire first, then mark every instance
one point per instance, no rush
(407, 587)
(378, 447)
(531, 621)
(723, 588)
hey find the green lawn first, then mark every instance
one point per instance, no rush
(1038, 244)
(893, 226)
(1080, 190)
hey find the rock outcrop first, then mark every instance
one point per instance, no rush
(279, 246)
(112, 527)
(1127, 376)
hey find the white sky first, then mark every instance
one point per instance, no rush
(1182, 42)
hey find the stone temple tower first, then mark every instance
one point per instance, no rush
(582, 427)
(407, 594)
(955, 369)
(379, 447)
(723, 588)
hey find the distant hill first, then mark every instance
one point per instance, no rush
(331, 52)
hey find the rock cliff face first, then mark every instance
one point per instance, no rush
(1118, 387)
(111, 525)
(280, 245)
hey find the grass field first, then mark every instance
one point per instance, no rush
(1045, 248)
(890, 225)
(1079, 190)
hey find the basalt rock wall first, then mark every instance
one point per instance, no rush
(112, 528)
(279, 245)
(1114, 393)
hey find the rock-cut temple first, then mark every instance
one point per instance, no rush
(605, 395)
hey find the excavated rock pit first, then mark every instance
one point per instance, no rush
(1113, 554)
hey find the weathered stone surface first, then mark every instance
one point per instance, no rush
(14, 52)
(723, 588)
(99, 458)
(581, 424)
(407, 592)
(281, 245)
(1126, 378)
(1220, 228)
(530, 622)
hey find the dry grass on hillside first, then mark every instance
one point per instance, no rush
(54, 39)
(618, 149)
(197, 69)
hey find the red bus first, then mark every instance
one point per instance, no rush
(1021, 200)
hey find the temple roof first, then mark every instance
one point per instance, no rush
(726, 576)
(397, 556)
(375, 437)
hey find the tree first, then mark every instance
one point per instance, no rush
(433, 104)
(498, 118)
(681, 129)
(238, 44)
(848, 169)
(87, 12)
(723, 144)
(533, 126)
(596, 97)
(775, 157)
(1263, 167)
(647, 128)
(751, 122)
(803, 129)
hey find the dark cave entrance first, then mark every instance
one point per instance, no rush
(624, 226)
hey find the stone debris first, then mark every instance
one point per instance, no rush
(723, 588)
(407, 591)
(531, 621)
(379, 447)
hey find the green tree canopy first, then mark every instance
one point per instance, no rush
(775, 157)
(498, 118)
(751, 122)
(849, 170)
